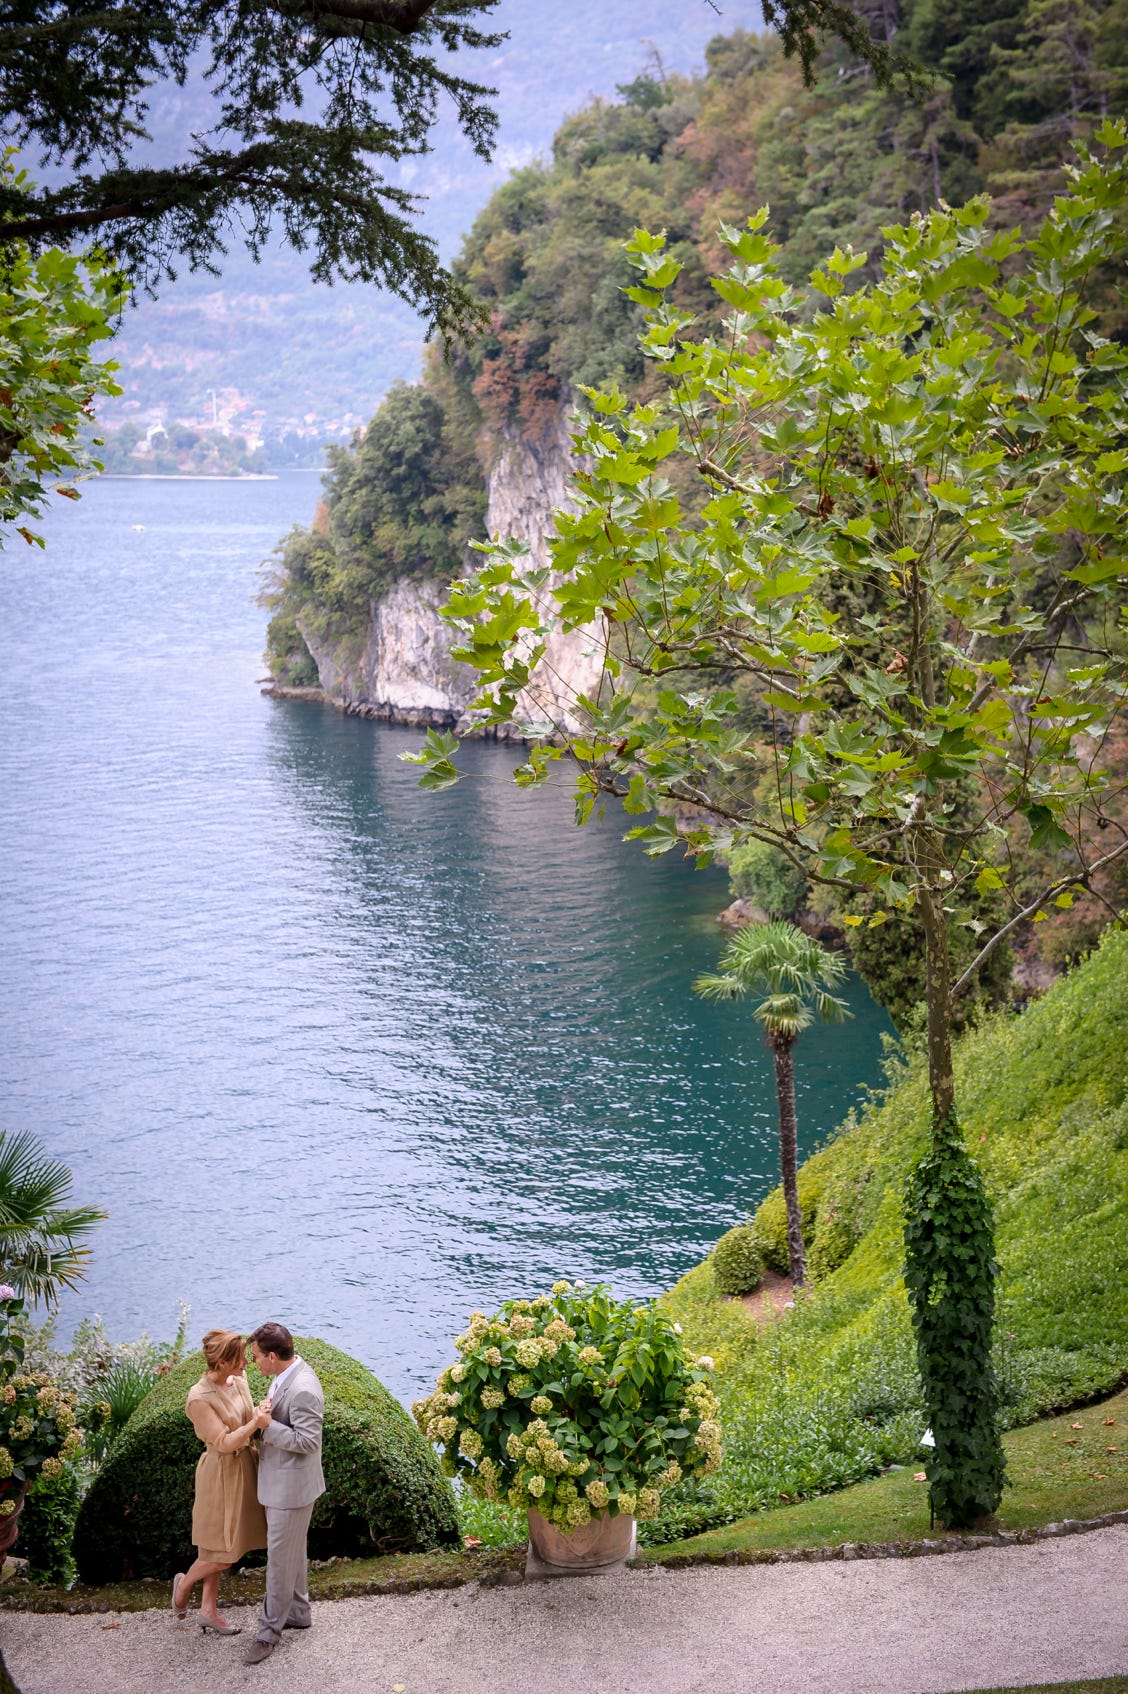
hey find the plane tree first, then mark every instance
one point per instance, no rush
(910, 549)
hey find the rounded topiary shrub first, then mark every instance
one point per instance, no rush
(769, 1225)
(738, 1264)
(384, 1489)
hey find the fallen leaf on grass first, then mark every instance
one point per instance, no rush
(1077, 1426)
(471, 1540)
(920, 1476)
(1107, 1423)
(1071, 1441)
(1099, 1476)
(1112, 1449)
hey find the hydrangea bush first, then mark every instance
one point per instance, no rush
(574, 1403)
(38, 1426)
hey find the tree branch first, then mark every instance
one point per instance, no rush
(1057, 887)
(404, 18)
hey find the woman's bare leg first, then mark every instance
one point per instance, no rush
(209, 1596)
(207, 1572)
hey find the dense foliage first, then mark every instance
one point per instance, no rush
(38, 1426)
(572, 1404)
(46, 1538)
(837, 163)
(830, 1392)
(384, 1491)
(950, 1275)
(54, 309)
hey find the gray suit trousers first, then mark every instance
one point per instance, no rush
(287, 1585)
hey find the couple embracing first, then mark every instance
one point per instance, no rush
(257, 1479)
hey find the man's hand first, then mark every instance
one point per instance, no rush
(263, 1414)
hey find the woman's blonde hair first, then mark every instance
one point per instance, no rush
(223, 1347)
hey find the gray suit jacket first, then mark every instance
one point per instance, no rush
(290, 1471)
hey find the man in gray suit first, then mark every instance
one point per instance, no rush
(290, 1479)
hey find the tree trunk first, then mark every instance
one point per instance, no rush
(781, 1046)
(938, 999)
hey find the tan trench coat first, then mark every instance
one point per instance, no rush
(227, 1520)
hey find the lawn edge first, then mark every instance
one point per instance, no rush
(922, 1548)
(504, 1566)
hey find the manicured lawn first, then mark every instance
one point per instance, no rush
(1059, 1468)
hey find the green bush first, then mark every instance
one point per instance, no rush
(384, 1490)
(834, 1241)
(47, 1526)
(769, 1226)
(759, 873)
(738, 1263)
(123, 1388)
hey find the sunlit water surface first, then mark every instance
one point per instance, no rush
(325, 1047)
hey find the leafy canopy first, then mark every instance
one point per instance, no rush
(938, 454)
(309, 97)
(54, 308)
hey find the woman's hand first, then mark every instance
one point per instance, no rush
(263, 1414)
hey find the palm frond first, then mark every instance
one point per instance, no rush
(716, 986)
(41, 1245)
(792, 970)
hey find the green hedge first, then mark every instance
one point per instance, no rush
(384, 1490)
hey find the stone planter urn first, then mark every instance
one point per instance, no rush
(600, 1545)
(10, 1525)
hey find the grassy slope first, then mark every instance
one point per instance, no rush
(1056, 1470)
(829, 1394)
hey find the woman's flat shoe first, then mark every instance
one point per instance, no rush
(178, 1612)
(220, 1628)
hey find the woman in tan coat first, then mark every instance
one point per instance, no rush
(227, 1520)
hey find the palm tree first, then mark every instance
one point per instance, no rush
(42, 1248)
(795, 976)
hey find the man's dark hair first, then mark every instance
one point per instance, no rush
(274, 1338)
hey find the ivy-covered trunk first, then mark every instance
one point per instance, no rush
(781, 1051)
(950, 1273)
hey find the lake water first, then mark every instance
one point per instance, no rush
(327, 1048)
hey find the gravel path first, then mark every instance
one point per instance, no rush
(1042, 1613)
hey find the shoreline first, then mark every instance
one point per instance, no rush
(184, 476)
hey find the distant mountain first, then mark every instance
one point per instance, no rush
(267, 351)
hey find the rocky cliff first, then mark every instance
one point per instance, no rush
(398, 666)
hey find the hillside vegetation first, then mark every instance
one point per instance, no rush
(828, 1393)
(837, 164)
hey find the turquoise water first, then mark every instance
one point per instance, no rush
(325, 1047)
